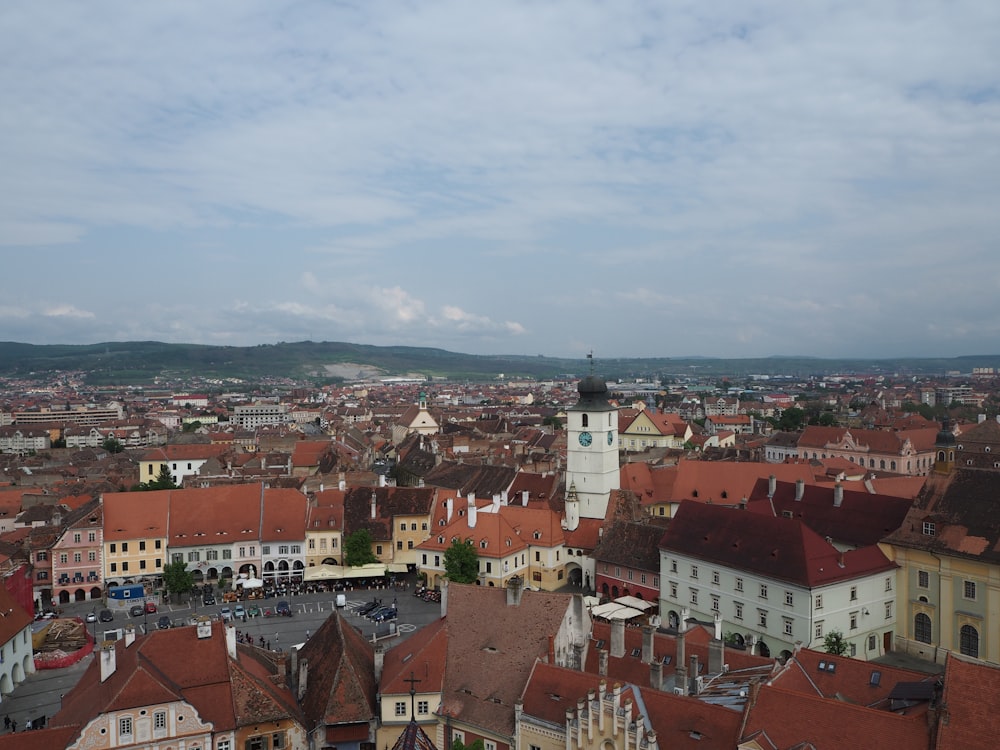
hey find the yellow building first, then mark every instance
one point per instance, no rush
(135, 535)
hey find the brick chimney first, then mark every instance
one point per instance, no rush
(515, 587)
(618, 638)
(647, 644)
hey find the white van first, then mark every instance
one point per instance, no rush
(341, 600)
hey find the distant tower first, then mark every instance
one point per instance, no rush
(592, 450)
(572, 509)
(944, 448)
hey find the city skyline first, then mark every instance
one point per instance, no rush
(634, 179)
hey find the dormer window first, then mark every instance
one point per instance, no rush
(483, 544)
(537, 535)
(930, 528)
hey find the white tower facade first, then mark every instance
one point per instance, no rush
(592, 448)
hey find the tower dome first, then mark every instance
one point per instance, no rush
(593, 391)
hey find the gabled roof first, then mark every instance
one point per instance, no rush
(423, 653)
(184, 452)
(634, 545)
(727, 483)
(340, 684)
(860, 520)
(969, 718)
(482, 480)
(135, 515)
(779, 548)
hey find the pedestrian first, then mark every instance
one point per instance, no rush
(6, 722)
(268, 645)
(276, 638)
(307, 635)
(13, 725)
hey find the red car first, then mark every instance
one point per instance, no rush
(151, 607)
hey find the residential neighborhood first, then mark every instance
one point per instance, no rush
(670, 565)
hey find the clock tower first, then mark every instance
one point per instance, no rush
(592, 449)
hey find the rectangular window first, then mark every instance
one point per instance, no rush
(142, 545)
(156, 544)
(923, 579)
(969, 590)
(694, 571)
(409, 544)
(63, 557)
(212, 554)
(77, 557)
(787, 625)
(673, 590)
(423, 707)
(311, 544)
(789, 598)
(715, 603)
(399, 545)
(227, 554)
(177, 557)
(266, 549)
(854, 620)
(762, 618)
(819, 601)
(929, 528)
(818, 632)
(854, 593)
(400, 708)
(125, 567)
(488, 745)
(76, 538)
(888, 610)
(125, 726)
(159, 562)
(112, 548)
(114, 567)
(673, 566)
(296, 549)
(124, 546)
(642, 578)
(888, 584)
(402, 527)
(739, 584)
(738, 610)
(194, 556)
(142, 565)
(92, 556)
(160, 720)
(763, 591)
(694, 596)
(715, 577)
(872, 642)
(91, 536)
(627, 572)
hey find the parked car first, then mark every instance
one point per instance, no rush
(239, 612)
(254, 611)
(151, 607)
(91, 617)
(106, 616)
(135, 610)
(163, 623)
(377, 612)
(385, 615)
(282, 608)
(364, 609)
(226, 613)
(209, 600)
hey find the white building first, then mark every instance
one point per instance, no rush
(592, 468)
(775, 582)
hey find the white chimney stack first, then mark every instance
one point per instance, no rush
(373, 505)
(471, 499)
(108, 663)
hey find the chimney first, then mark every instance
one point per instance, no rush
(471, 499)
(694, 675)
(618, 638)
(602, 690)
(515, 587)
(656, 675)
(444, 597)
(373, 504)
(602, 662)
(869, 486)
(129, 635)
(980, 418)
(504, 500)
(381, 480)
(230, 641)
(302, 678)
(108, 663)
(800, 488)
(552, 649)
(321, 486)
(204, 627)
(772, 485)
(449, 506)
(342, 485)
(647, 644)
(379, 663)
(838, 495)
(716, 656)
(524, 498)
(651, 740)
(496, 501)
(718, 626)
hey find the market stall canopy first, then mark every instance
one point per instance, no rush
(634, 602)
(249, 583)
(323, 573)
(371, 570)
(614, 611)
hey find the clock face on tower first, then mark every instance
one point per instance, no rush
(611, 438)
(586, 439)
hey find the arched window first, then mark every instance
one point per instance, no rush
(969, 641)
(892, 465)
(881, 464)
(922, 628)
(584, 421)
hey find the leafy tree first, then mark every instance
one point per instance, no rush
(358, 548)
(112, 445)
(835, 643)
(461, 563)
(474, 745)
(191, 426)
(163, 481)
(176, 578)
(791, 419)
(554, 422)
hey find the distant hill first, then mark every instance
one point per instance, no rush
(142, 361)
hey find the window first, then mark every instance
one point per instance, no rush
(177, 557)
(160, 720)
(311, 544)
(872, 643)
(642, 578)
(854, 620)
(156, 544)
(715, 603)
(142, 545)
(489, 745)
(818, 631)
(125, 726)
(125, 567)
(969, 590)
(854, 593)
(296, 549)
(929, 528)
(787, 625)
(266, 549)
(399, 545)
(76, 538)
(923, 579)
(114, 567)
(694, 596)
(423, 707)
(402, 527)
(789, 598)
(409, 544)
(378, 549)
(673, 590)
(92, 556)
(819, 601)
(888, 584)
(400, 708)
(159, 562)
(142, 564)
(694, 572)
(738, 610)
(77, 557)
(223, 745)
(762, 618)
(888, 610)
(112, 548)
(194, 556)
(969, 641)
(212, 554)
(715, 577)
(922, 628)
(673, 565)
(124, 546)
(763, 591)
(739, 584)
(63, 558)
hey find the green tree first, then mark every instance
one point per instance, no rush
(358, 548)
(191, 426)
(554, 422)
(163, 481)
(461, 563)
(112, 445)
(474, 745)
(791, 419)
(176, 578)
(835, 643)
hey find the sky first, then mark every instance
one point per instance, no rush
(636, 179)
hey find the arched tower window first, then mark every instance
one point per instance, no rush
(922, 628)
(585, 420)
(969, 641)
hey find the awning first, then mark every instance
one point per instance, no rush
(371, 570)
(397, 567)
(323, 573)
(634, 602)
(614, 611)
(249, 583)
